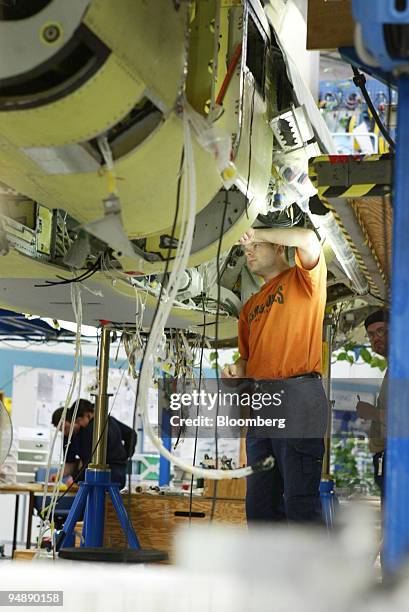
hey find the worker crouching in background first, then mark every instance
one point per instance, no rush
(120, 443)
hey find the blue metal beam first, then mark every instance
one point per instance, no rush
(397, 460)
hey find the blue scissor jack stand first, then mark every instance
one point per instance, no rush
(91, 497)
(92, 492)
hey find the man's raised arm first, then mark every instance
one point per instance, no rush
(305, 240)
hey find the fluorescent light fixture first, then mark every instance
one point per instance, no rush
(328, 227)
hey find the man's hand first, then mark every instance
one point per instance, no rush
(235, 370)
(248, 237)
(305, 240)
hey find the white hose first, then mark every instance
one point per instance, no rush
(180, 264)
(48, 521)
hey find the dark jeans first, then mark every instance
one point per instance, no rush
(379, 465)
(118, 474)
(290, 491)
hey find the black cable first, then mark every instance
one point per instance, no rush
(78, 279)
(250, 150)
(202, 344)
(270, 222)
(360, 80)
(226, 202)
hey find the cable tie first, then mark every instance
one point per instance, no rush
(359, 80)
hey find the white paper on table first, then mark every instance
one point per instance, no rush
(365, 141)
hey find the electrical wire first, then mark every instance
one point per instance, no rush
(360, 80)
(250, 150)
(78, 279)
(77, 307)
(175, 218)
(197, 410)
(183, 251)
(47, 519)
(77, 368)
(152, 291)
(216, 441)
(273, 218)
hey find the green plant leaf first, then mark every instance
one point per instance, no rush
(350, 346)
(366, 355)
(379, 362)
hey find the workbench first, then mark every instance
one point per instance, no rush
(31, 489)
(156, 518)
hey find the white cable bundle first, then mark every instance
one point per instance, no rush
(48, 521)
(180, 264)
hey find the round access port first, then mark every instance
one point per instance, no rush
(51, 33)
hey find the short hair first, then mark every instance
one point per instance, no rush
(84, 406)
(56, 416)
(379, 316)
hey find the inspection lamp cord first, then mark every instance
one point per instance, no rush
(360, 80)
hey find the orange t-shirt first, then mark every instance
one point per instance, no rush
(280, 327)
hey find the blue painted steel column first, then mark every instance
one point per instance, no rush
(328, 501)
(95, 511)
(164, 464)
(397, 448)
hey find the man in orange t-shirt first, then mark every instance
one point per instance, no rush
(280, 344)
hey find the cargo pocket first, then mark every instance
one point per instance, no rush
(312, 452)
